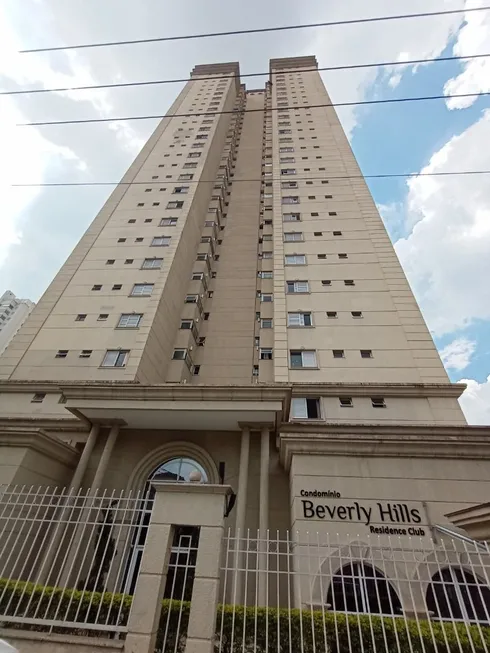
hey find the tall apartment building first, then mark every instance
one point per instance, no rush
(236, 308)
(13, 314)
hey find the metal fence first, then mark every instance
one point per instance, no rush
(308, 593)
(67, 560)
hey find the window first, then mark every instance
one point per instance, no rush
(183, 190)
(193, 155)
(97, 287)
(331, 314)
(175, 205)
(265, 275)
(318, 233)
(291, 217)
(197, 276)
(378, 402)
(302, 358)
(117, 286)
(265, 354)
(186, 324)
(160, 241)
(138, 240)
(129, 261)
(338, 353)
(266, 255)
(191, 299)
(81, 317)
(312, 197)
(255, 370)
(61, 353)
(337, 233)
(121, 240)
(190, 165)
(196, 369)
(305, 408)
(102, 317)
(129, 320)
(366, 353)
(299, 320)
(346, 402)
(201, 342)
(168, 222)
(110, 261)
(290, 199)
(131, 221)
(38, 397)
(297, 286)
(287, 184)
(286, 149)
(156, 204)
(266, 297)
(186, 177)
(356, 314)
(293, 236)
(342, 255)
(152, 263)
(321, 256)
(295, 259)
(349, 282)
(142, 290)
(266, 323)
(85, 353)
(288, 171)
(359, 587)
(115, 358)
(179, 354)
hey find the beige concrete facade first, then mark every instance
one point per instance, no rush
(281, 348)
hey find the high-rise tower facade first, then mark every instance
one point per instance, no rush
(237, 307)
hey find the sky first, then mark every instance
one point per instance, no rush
(440, 225)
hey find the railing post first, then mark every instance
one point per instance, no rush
(192, 504)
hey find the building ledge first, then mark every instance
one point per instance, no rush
(39, 441)
(475, 521)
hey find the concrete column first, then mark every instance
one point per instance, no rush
(179, 503)
(241, 508)
(263, 514)
(77, 479)
(104, 458)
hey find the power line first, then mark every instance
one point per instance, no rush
(381, 64)
(242, 111)
(265, 179)
(258, 30)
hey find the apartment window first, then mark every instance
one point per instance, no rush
(138, 240)
(290, 199)
(117, 286)
(378, 402)
(265, 275)
(321, 256)
(349, 282)
(342, 255)
(337, 233)
(288, 171)
(332, 314)
(197, 276)
(160, 241)
(293, 236)
(168, 222)
(266, 255)
(190, 165)
(193, 155)
(312, 197)
(305, 408)
(265, 354)
(102, 317)
(255, 370)
(291, 217)
(121, 240)
(266, 323)
(206, 316)
(286, 149)
(129, 261)
(110, 261)
(155, 203)
(183, 190)
(85, 353)
(297, 287)
(131, 221)
(338, 353)
(191, 299)
(289, 184)
(287, 159)
(81, 317)
(346, 402)
(299, 320)
(61, 353)
(295, 259)
(97, 287)
(201, 342)
(186, 177)
(142, 290)
(266, 297)
(366, 353)
(302, 358)
(38, 397)
(186, 324)
(175, 205)
(140, 204)
(115, 358)
(318, 233)
(129, 320)
(356, 314)
(152, 263)
(179, 354)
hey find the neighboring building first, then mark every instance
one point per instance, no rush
(13, 314)
(237, 309)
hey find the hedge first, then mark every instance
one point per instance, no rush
(245, 629)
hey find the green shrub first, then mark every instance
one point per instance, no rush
(241, 629)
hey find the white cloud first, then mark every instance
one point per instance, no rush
(475, 401)
(457, 354)
(473, 38)
(446, 254)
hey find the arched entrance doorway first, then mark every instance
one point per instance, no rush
(455, 593)
(182, 563)
(360, 587)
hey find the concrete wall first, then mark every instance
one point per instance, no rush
(32, 642)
